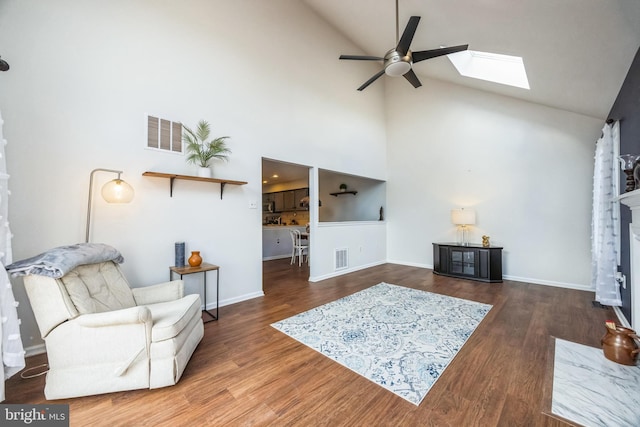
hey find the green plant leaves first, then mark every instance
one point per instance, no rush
(200, 151)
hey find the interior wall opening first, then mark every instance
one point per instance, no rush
(285, 218)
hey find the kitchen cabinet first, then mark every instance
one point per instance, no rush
(475, 262)
(276, 242)
(286, 201)
(278, 199)
(267, 206)
(289, 200)
(300, 194)
(269, 198)
(273, 242)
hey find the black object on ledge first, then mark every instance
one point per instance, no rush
(343, 192)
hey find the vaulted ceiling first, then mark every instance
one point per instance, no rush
(576, 52)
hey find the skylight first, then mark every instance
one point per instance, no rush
(493, 67)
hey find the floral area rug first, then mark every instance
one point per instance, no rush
(400, 338)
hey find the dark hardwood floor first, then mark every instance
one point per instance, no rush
(244, 372)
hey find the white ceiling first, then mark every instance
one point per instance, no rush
(576, 52)
(286, 172)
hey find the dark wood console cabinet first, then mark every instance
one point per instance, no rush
(471, 261)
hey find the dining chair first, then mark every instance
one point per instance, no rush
(298, 247)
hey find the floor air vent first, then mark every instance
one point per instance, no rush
(341, 258)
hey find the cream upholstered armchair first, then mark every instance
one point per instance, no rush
(102, 336)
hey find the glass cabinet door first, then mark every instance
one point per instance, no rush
(456, 261)
(469, 263)
(463, 261)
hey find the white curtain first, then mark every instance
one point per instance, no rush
(605, 226)
(11, 350)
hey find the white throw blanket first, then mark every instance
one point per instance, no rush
(59, 261)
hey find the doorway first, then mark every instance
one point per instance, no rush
(285, 207)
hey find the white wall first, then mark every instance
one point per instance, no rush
(526, 169)
(365, 242)
(83, 75)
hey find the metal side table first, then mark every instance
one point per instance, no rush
(202, 268)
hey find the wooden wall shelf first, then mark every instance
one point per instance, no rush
(172, 177)
(343, 192)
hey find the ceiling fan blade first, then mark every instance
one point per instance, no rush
(362, 57)
(434, 53)
(407, 35)
(412, 78)
(371, 80)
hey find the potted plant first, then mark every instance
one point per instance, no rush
(343, 187)
(201, 150)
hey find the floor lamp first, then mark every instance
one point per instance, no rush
(463, 218)
(114, 191)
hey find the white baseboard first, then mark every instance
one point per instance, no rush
(271, 258)
(229, 301)
(410, 264)
(621, 317)
(578, 286)
(345, 271)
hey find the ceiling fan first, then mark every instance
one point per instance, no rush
(399, 60)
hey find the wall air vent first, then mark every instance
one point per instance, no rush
(164, 135)
(341, 258)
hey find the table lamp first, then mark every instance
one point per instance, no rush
(463, 217)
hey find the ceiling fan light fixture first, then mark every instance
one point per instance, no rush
(399, 60)
(396, 69)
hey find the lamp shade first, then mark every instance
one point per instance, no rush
(117, 191)
(463, 216)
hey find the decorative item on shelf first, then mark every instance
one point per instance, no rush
(201, 151)
(195, 259)
(463, 218)
(343, 187)
(636, 175)
(381, 218)
(304, 202)
(485, 241)
(618, 344)
(179, 254)
(629, 162)
(114, 191)
(4, 65)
